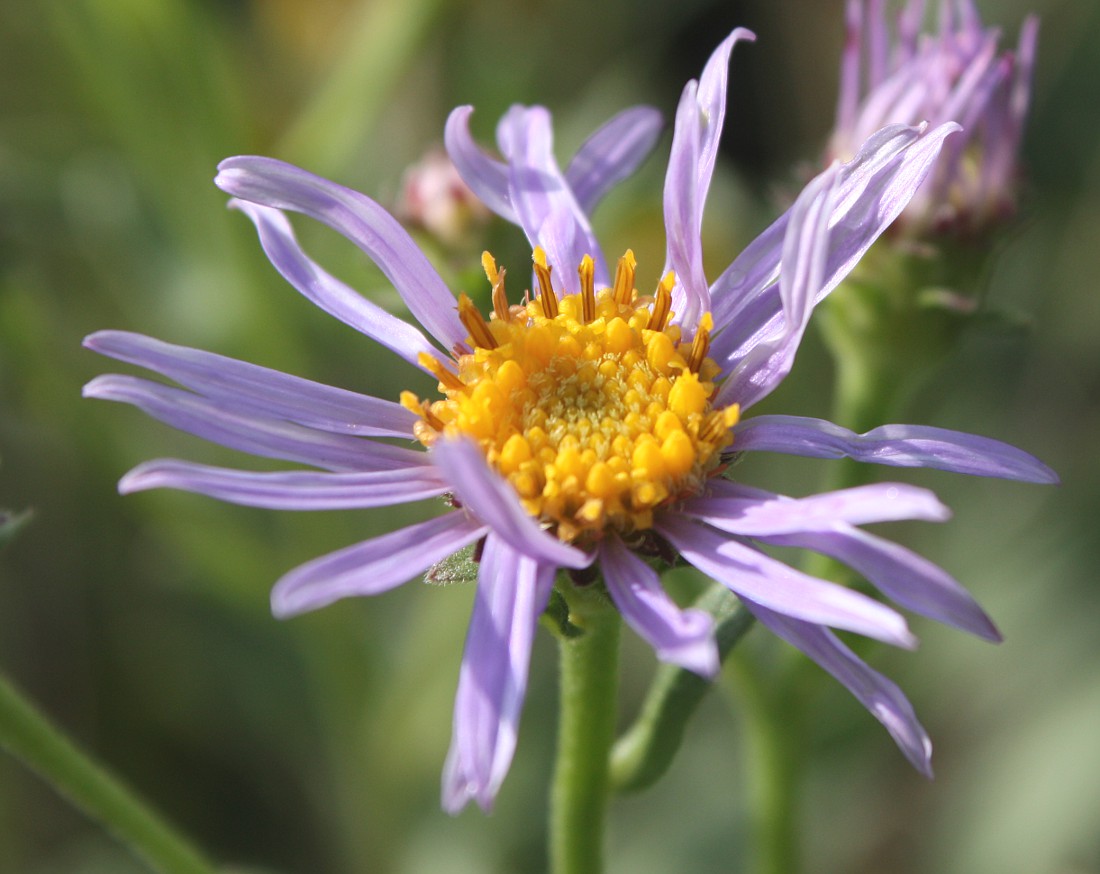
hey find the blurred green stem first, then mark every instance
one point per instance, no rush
(586, 728)
(30, 737)
(886, 339)
(645, 751)
(771, 718)
(868, 394)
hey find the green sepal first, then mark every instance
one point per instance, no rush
(556, 618)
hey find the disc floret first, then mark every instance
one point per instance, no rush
(592, 405)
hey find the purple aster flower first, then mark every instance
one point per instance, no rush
(584, 425)
(956, 74)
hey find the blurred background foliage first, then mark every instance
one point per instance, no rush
(141, 624)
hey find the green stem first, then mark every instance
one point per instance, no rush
(644, 752)
(586, 728)
(869, 391)
(771, 720)
(867, 395)
(30, 737)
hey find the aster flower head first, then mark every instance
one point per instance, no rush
(957, 73)
(585, 423)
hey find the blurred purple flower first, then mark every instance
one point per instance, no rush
(587, 426)
(956, 74)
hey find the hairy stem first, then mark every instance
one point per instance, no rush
(586, 728)
(646, 750)
(31, 738)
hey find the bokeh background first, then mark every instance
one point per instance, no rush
(141, 624)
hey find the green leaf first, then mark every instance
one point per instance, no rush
(457, 568)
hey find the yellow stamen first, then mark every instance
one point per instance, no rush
(435, 367)
(423, 409)
(475, 323)
(662, 303)
(496, 280)
(412, 403)
(624, 279)
(546, 297)
(587, 272)
(701, 344)
(718, 422)
(489, 265)
(590, 405)
(500, 299)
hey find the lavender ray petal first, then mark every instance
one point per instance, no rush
(483, 675)
(373, 566)
(967, 103)
(901, 98)
(968, 19)
(682, 637)
(489, 497)
(558, 234)
(268, 438)
(539, 191)
(1001, 152)
(277, 184)
(486, 176)
(805, 250)
(908, 30)
(903, 576)
(288, 490)
(612, 153)
(849, 87)
(259, 390)
(746, 571)
(757, 267)
(870, 198)
(512, 592)
(699, 119)
(509, 130)
(894, 445)
(745, 300)
(971, 93)
(882, 698)
(683, 213)
(1025, 65)
(326, 291)
(712, 102)
(872, 190)
(877, 42)
(998, 140)
(751, 516)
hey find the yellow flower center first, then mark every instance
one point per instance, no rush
(591, 406)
